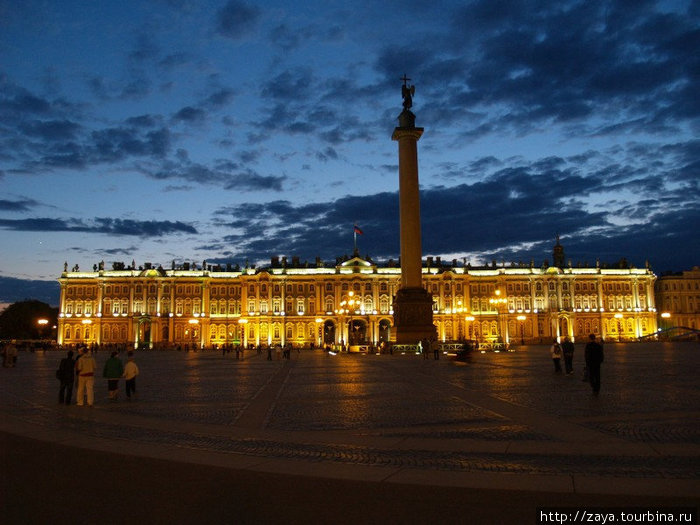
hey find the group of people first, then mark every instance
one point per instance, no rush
(594, 357)
(80, 372)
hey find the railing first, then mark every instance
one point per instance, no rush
(405, 349)
(451, 348)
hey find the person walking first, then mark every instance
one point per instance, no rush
(113, 371)
(66, 375)
(10, 357)
(594, 358)
(85, 366)
(435, 346)
(567, 348)
(130, 373)
(555, 351)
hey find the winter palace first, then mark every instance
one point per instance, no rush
(350, 303)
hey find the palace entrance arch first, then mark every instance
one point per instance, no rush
(384, 331)
(357, 332)
(329, 333)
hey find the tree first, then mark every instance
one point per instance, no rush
(20, 320)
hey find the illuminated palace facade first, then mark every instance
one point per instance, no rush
(678, 297)
(349, 303)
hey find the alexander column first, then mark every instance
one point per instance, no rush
(413, 305)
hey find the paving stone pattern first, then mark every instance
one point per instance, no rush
(353, 409)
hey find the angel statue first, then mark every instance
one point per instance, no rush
(407, 93)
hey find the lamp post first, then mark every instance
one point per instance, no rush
(319, 331)
(347, 307)
(498, 302)
(194, 332)
(470, 328)
(522, 318)
(42, 326)
(618, 316)
(242, 322)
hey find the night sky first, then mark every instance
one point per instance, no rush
(229, 131)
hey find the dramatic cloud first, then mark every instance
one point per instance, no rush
(99, 225)
(18, 205)
(236, 19)
(577, 118)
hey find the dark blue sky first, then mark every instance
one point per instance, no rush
(231, 131)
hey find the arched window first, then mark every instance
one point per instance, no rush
(384, 304)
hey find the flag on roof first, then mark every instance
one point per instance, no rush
(357, 230)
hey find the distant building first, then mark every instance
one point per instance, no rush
(350, 303)
(678, 299)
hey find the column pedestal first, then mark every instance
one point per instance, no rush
(413, 315)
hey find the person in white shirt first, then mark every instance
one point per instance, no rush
(130, 373)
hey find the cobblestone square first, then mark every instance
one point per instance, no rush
(498, 412)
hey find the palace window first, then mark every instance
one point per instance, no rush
(300, 306)
(263, 307)
(384, 305)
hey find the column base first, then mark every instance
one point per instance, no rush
(413, 315)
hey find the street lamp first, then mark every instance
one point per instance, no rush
(242, 322)
(347, 307)
(618, 316)
(42, 325)
(319, 331)
(665, 316)
(498, 302)
(522, 318)
(470, 328)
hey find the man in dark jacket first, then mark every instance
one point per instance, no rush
(594, 358)
(568, 348)
(66, 374)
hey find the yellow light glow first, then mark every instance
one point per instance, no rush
(43, 322)
(521, 318)
(193, 321)
(665, 315)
